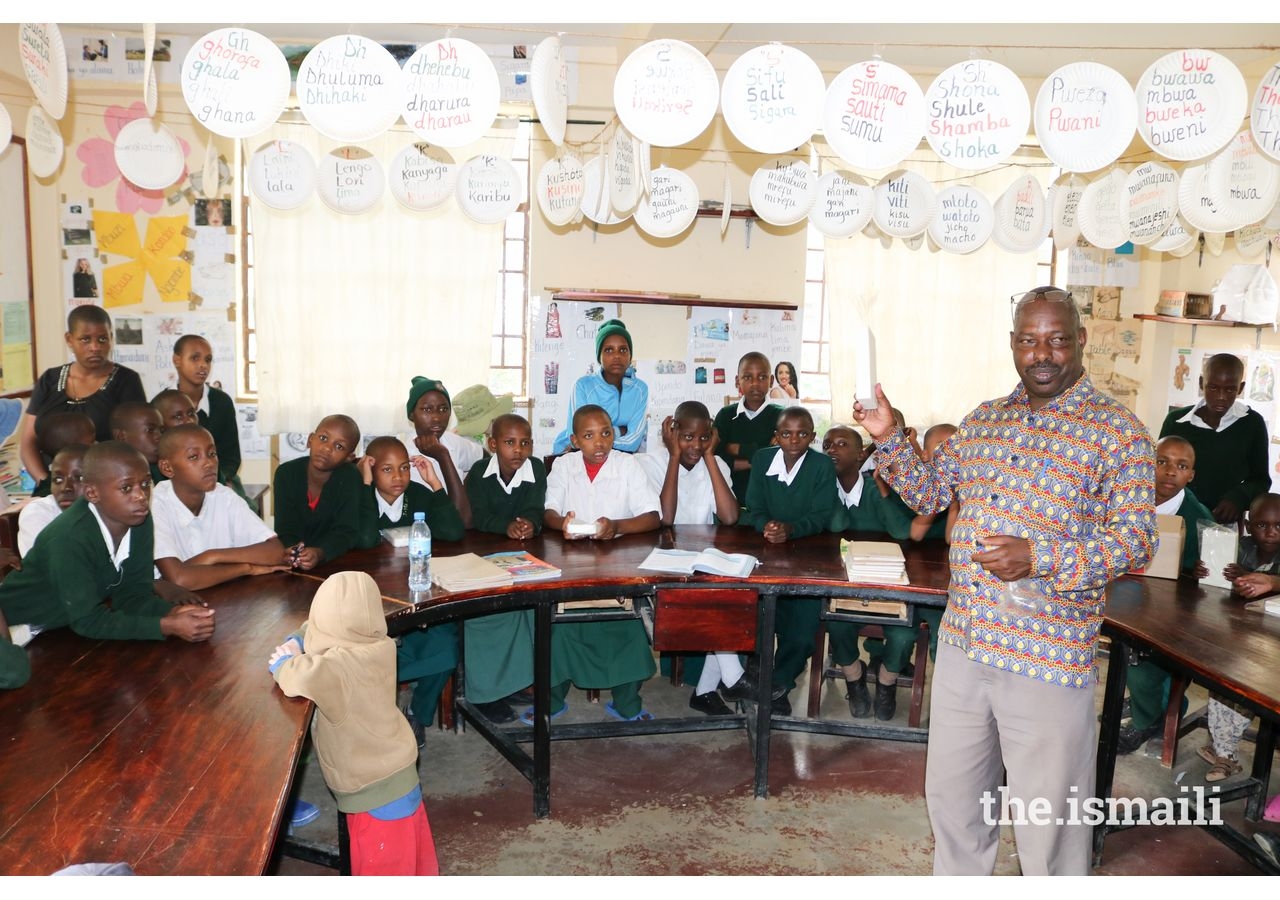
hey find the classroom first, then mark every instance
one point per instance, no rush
(340, 210)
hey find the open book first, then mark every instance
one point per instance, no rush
(711, 561)
(523, 565)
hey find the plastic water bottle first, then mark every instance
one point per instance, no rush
(419, 553)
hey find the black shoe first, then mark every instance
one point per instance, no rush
(743, 689)
(415, 725)
(709, 703)
(886, 700)
(908, 671)
(1132, 738)
(499, 712)
(858, 696)
(780, 705)
(522, 697)
(1269, 844)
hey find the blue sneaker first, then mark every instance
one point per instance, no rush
(303, 813)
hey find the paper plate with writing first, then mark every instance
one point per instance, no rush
(1022, 216)
(1245, 179)
(549, 86)
(1085, 116)
(666, 93)
(595, 192)
(44, 142)
(624, 174)
(1151, 195)
(1064, 207)
(670, 206)
(235, 82)
(873, 115)
(842, 204)
(488, 189)
(350, 88)
(904, 204)
(978, 113)
(148, 154)
(782, 190)
(1190, 104)
(44, 62)
(1252, 240)
(1264, 115)
(1104, 212)
(560, 189)
(282, 174)
(422, 176)
(1178, 235)
(1200, 204)
(771, 98)
(350, 180)
(964, 220)
(451, 92)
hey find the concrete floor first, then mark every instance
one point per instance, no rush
(682, 805)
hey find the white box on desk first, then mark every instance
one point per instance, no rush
(1167, 562)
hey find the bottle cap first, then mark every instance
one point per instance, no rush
(419, 517)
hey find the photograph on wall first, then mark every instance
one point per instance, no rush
(252, 444)
(75, 224)
(82, 274)
(212, 213)
(128, 331)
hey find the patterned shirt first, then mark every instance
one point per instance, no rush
(1077, 479)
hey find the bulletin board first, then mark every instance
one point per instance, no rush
(697, 360)
(17, 294)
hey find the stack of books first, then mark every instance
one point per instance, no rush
(468, 572)
(877, 562)
(524, 566)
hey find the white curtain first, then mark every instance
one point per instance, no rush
(940, 321)
(351, 307)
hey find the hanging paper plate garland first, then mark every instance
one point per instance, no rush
(595, 192)
(1151, 196)
(44, 142)
(1264, 116)
(561, 183)
(1251, 240)
(782, 190)
(350, 88)
(771, 98)
(1177, 236)
(1215, 242)
(873, 114)
(350, 180)
(1085, 116)
(1203, 207)
(549, 85)
(1064, 207)
(1021, 217)
(488, 189)
(451, 92)
(904, 204)
(1190, 104)
(282, 174)
(666, 93)
(1104, 212)
(235, 82)
(842, 204)
(1246, 180)
(148, 155)
(964, 220)
(44, 62)
(624, 175)
(670, 206)
(422, 176)
(978, 114)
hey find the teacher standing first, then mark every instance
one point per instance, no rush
(1056, 483)
(91, 384)
(624, 398)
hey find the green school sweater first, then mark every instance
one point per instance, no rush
(68, 574)
(493, 509)
(334, 525)
(807, 504)
(15, 668)
(1192, 511)
(1231, 464)
(220, 421)
(874, 513)
(442, 516)
(753, 434)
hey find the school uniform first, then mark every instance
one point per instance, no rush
(498, 649)
(752, 430)
(1231, 460)
(334, 524)
(804, 498)
(33, 519)
(601, 654)
(72, 569)
(217, 415)
(464, 452)
(627, 407)
(224, 521)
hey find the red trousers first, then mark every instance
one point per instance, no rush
(400, 847)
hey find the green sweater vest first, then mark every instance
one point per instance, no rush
(334, 525)
(1230, 464)
(442, 517)
(807, 504)
(888, 515)
(220, 421)
(493, 509)
(752, 434)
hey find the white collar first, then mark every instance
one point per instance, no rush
(778, 468)
(120, 554)
(1170, 506)
(869, 464)
(750, 414)
(1237, 411)
(523, 475)
(392, 511)
(854, 496)
(203, 405)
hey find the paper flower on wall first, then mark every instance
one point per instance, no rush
(160, 256)
(99, 158)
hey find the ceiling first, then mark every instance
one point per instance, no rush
(1030, 50)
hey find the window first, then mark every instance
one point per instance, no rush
(815, 341)
(511, 306)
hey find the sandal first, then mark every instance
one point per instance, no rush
(526, 717)
(1223, 769)
(1206, 753)
(643, 716)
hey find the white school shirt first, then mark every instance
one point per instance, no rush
(32, 520)
(225, 520)
(621, 489)
(1170, 507)
(695, 497)
(778, 468)
(851, 498)
(523, 474)
(464, 451)
(119, 554)
(1237, 411)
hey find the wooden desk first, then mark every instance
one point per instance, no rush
(1206, 634)
(176, 758)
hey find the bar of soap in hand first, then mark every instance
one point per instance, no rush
(576, 527)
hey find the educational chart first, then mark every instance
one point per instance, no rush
(562, 348)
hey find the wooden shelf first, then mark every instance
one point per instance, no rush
(1179, 320)
(659, 299)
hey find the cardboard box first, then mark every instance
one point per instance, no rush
(1172, 303)
(1168, 559)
